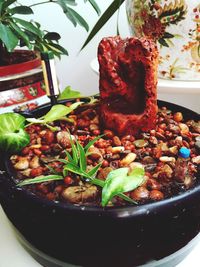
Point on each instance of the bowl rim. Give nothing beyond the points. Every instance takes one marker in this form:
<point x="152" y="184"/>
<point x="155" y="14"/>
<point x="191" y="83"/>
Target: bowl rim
<point x="116" y="212"/>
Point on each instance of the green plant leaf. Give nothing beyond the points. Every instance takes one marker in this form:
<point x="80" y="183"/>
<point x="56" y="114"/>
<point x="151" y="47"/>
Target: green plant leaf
<point x="24" y="10"/>
<point x="119" y="181"/>
<point x="74" y="151"/>
<point x="41" y="179"/>
<point x="8" y="37"/>
<point x="52" y="170"/>
<point x="21" y="34"/>
<point x="8" y="3"/>
<point x="12" y="135"/>
<point x="103" y="19"/>
<point x="163" y="42"/>
<point x="67" y="11"/>
<point x="79" y="19"/>
<point x="68" y="93"/>
<point x="95" y="6"/>
<point x="52" y="36"/>
<point x="1" y="7"/>
<point x="29" y="26"/>
<point x="94" y="170"/>
<point x="56" y="112"/>
<point x="92" y="142"/>
<point x="69" y="156"/>
<point x="168" y="35"/>
<point x="56" y="48"/>
<point x="74" y="169"/>
<point x="82" y="157"/>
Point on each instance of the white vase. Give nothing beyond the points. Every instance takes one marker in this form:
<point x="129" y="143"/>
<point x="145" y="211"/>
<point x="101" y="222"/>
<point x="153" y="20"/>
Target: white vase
<point x="175" y="26"/>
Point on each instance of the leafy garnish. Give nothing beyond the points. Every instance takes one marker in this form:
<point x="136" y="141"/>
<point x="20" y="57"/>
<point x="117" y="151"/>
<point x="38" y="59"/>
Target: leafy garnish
<point x="68" y="93"/>
<point x="120" y="181"/>
<point x="57" y="112"/>
<point x="12" y="135"/>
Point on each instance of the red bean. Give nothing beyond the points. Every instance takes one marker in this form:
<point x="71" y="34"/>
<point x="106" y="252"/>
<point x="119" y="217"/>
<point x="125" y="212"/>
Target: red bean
<point x="36" y="172"/>
<point x="37" y="152"/>
<point x="44" y="148"/>
<point x="108" y="133"/>
<point x="105" y="163"/>
<point x="68" y="180"/>
<point x="96" y="132"/>
<point x="42" y="188"/>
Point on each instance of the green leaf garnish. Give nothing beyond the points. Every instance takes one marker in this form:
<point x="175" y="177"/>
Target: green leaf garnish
<point x="12" y="135"/>
<point x="119" y="181"/>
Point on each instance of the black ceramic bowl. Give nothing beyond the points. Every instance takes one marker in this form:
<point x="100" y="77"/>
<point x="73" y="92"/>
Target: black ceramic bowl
<point x="96" y="237"/>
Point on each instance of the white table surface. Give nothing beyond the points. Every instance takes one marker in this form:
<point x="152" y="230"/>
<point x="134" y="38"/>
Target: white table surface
<point x="12" y="254"/>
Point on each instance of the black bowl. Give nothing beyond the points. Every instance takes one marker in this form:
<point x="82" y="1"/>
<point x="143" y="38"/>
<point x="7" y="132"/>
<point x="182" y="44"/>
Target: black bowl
<point x="101" y="237"/>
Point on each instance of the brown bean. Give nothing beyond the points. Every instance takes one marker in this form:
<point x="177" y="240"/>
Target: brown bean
<point x="48" y="137"/>
<point x="116" y="141"/>
<point x="156" y="195"/>
<point x="108" y="134"/>
<point x="140" y="194"/>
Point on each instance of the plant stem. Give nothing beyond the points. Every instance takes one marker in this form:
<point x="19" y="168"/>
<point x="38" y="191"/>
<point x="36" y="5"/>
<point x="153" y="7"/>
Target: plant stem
<point x="45" y="2"/>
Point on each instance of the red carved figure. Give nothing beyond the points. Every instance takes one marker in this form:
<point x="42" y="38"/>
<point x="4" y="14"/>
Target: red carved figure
<point x="128" y="84"/>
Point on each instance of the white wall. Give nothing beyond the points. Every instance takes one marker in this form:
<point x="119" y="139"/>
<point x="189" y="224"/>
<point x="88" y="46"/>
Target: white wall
<point x="75" y="69"/>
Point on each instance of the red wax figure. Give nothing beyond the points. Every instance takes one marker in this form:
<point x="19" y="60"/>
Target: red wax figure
<point x="128" y="84"/>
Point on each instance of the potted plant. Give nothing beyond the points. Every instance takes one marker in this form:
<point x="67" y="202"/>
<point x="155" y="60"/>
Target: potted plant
<point x="20" y="70"/>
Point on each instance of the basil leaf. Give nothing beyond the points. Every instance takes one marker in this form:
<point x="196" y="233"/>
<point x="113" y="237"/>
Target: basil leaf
<point x="119" y="181"/>
<point x="41" y="179"/>
<point x="69" y="93"/>
<point x="12" y="135"/>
